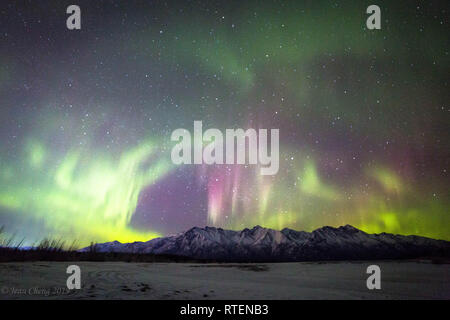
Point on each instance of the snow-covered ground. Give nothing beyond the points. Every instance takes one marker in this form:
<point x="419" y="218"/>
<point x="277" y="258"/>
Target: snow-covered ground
<point x="120" y="280"/>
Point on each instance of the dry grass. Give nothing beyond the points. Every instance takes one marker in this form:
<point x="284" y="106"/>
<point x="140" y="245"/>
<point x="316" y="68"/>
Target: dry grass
<point x="57" y="250"/>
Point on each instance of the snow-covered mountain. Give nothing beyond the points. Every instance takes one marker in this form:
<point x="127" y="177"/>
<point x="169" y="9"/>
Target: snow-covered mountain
<point x="262" y="244"/>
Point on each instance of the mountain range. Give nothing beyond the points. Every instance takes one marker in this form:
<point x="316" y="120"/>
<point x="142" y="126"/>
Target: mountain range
<point x="262" y="244"/>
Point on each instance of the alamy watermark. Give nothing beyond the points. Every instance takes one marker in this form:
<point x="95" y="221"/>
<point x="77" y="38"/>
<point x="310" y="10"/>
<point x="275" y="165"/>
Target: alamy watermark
<point x="74" y="280"/>
<point x="374" y="280"/>
<point x="236" y="141"/>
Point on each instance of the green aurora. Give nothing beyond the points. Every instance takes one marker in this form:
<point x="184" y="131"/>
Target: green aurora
<point x="86" y="118"/>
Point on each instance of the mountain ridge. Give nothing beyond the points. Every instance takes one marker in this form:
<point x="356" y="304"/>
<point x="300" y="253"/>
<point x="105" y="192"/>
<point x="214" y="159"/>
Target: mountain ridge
<point x="287" y="245"/>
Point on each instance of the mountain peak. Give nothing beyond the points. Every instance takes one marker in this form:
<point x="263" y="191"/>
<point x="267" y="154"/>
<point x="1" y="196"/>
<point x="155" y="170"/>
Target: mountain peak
<point x="349" y="227"/>
<point x="258" y="227"/>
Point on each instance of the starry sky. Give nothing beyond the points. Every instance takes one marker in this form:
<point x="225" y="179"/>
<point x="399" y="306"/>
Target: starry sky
<point x="86" y="116"/>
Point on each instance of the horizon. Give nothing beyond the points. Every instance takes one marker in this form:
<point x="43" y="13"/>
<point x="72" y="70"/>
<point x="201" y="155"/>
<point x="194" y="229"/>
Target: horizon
<point x="74" y="244"/>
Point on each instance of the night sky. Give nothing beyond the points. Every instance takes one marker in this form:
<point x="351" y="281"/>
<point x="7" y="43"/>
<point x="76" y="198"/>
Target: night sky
<point x="86" y="116"/>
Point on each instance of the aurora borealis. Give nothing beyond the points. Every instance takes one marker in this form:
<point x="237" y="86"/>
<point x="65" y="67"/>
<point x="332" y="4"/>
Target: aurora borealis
<point x="86" y="116"/>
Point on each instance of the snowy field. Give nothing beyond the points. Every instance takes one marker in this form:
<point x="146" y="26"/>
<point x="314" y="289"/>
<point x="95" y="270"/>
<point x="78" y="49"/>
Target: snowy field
<point x="121" y="280"/>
